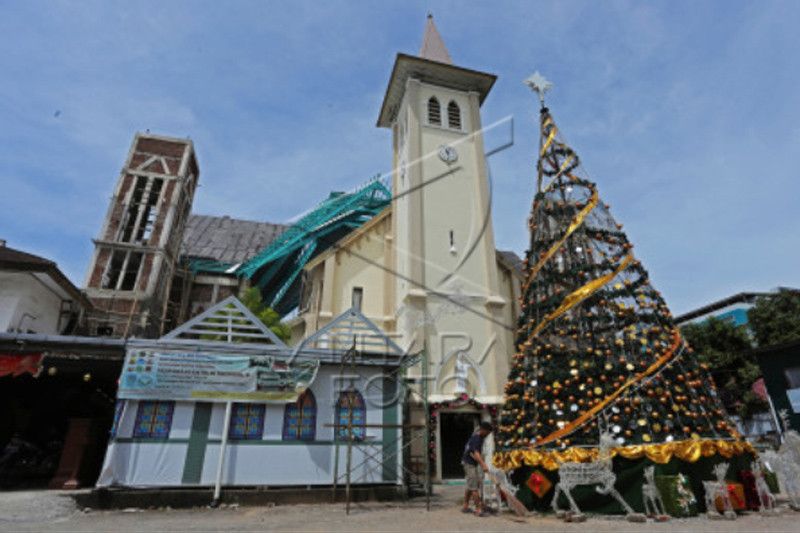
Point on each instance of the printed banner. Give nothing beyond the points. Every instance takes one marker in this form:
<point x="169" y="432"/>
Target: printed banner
<point x="16" y="365"/>
<point x="149" y="375"/>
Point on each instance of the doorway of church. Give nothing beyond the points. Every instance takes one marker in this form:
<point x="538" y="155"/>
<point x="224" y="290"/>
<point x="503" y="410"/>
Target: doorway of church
<point x="454" y="431"/>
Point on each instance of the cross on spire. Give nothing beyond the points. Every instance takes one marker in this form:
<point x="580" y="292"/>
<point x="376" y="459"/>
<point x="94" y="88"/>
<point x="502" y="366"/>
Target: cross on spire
<point x="433" y="47"/>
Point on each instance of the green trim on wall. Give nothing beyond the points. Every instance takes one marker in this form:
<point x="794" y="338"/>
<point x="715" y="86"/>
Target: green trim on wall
<point x="198" y="439"/>
<point x="390" y="416"/>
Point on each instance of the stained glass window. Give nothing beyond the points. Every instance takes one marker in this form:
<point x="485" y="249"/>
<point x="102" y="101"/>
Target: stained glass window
<point x="351" y="404"/>
<point x="247" y="421"/>
<point x="153" y="419"/>
<point x="300" y="418"/>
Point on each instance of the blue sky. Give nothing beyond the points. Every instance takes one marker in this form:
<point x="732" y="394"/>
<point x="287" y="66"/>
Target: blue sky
<point x="685" y="113"/>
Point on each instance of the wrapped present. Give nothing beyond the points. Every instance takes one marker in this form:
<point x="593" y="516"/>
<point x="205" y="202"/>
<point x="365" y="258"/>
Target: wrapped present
<point x="679" y="500"/>
<point x="539" y="484"/>
<point x="772" y="481"/>
<point x="736" y="495"/>
<point x="751" y="499"/>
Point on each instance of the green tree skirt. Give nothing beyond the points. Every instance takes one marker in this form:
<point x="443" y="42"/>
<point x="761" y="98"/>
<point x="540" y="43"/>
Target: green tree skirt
<point x="630" y="477"/>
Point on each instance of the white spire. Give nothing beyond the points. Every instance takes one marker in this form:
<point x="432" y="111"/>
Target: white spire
<point x="433" y="47"/>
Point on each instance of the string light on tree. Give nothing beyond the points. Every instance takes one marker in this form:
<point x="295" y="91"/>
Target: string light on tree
<point x="596" y="344"/>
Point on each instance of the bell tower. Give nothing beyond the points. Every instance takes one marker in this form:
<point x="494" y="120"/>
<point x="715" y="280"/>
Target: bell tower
<point x="448" y="294"/>
<point x="136" y="253"/>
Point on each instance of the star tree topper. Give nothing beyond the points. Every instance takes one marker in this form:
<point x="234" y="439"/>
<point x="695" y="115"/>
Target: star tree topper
<point x="539" y="84"/>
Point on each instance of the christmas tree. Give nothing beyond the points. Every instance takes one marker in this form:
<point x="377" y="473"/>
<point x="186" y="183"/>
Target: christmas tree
<point x="597" y="348"/>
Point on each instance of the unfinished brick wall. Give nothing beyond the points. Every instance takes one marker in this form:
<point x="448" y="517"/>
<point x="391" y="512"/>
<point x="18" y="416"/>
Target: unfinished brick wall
<point x="140" y="243"/>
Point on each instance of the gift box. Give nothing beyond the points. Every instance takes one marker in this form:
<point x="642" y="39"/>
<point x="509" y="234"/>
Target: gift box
<point x="539" y="484"/>
<point x="751" y="499"/>
<point x="736" y="495"/>
<point x="772" y="481"/>
<point x="677" y="495"/>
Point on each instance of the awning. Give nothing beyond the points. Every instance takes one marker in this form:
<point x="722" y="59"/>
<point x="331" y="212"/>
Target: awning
<point x="18" y="364"/>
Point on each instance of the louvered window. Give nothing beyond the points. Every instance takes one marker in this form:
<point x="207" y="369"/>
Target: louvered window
<point x="434" y="112"/>
<point x="453" y="115"/>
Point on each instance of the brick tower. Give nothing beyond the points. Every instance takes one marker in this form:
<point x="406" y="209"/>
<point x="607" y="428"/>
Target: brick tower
<point x="136" y="253"/>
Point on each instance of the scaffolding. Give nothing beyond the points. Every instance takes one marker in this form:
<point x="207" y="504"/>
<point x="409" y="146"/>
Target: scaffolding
<point x="276" y="269"/>
<point x="411" y="433"/>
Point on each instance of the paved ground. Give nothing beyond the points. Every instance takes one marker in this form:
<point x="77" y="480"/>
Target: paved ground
<point x="51" y="511"/>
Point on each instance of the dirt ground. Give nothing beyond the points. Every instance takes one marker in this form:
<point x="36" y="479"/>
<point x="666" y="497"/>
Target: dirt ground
<point x="53" y="511"/>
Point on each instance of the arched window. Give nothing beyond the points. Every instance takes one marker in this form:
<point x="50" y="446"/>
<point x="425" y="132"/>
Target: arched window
<point x="453" y="115"/>
<point x="247" y="421"/>
<point x="350" y="409"/>
<point x="434" y="112"/>
<point x="300" y="418"/>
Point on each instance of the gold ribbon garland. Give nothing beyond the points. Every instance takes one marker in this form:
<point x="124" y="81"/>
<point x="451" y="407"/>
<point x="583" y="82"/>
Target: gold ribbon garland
<point x="550" y="136"/>
<point x="577" y="296"/>
<point x="686" y="450"/>
<point x="576" y="222"/>
<point x="690" y="451"/>
<point x="578" y="422"/>
<point x="564" y="165"/>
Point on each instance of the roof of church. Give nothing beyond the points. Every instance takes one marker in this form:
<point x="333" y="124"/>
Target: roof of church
<point x="433" y="47"/>
<point x="513" y="260"/>
<point x="226" y="239"/>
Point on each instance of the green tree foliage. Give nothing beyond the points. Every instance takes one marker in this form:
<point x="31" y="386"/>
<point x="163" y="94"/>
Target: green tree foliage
<point x="726" y="348"/>
<point x="251" y="298"/>
<point x="775" y="318"/>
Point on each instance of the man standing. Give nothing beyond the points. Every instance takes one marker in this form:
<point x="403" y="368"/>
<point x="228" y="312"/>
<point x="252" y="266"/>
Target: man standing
<point x="474" y="467"/>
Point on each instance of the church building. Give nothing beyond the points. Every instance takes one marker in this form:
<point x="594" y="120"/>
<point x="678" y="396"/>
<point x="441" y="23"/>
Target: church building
<point x="426" y="269"/>
<point x="415" y="254"/>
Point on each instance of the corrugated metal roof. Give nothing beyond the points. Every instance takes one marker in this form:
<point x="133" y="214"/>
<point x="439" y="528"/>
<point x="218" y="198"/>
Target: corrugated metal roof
<point x="226" y="239"/>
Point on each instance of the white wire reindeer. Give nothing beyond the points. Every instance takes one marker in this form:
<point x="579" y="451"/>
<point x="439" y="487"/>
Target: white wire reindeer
<point x="786" y="461"/>
<point x="789" y="473"/>
<point x="653" y="504"/>
<point x="791" y="439"/>
<point x="502" y="489"/>
<point x="597" y="472"/>
<point x="718" y="489"/>
<point x="766" y="500"/>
